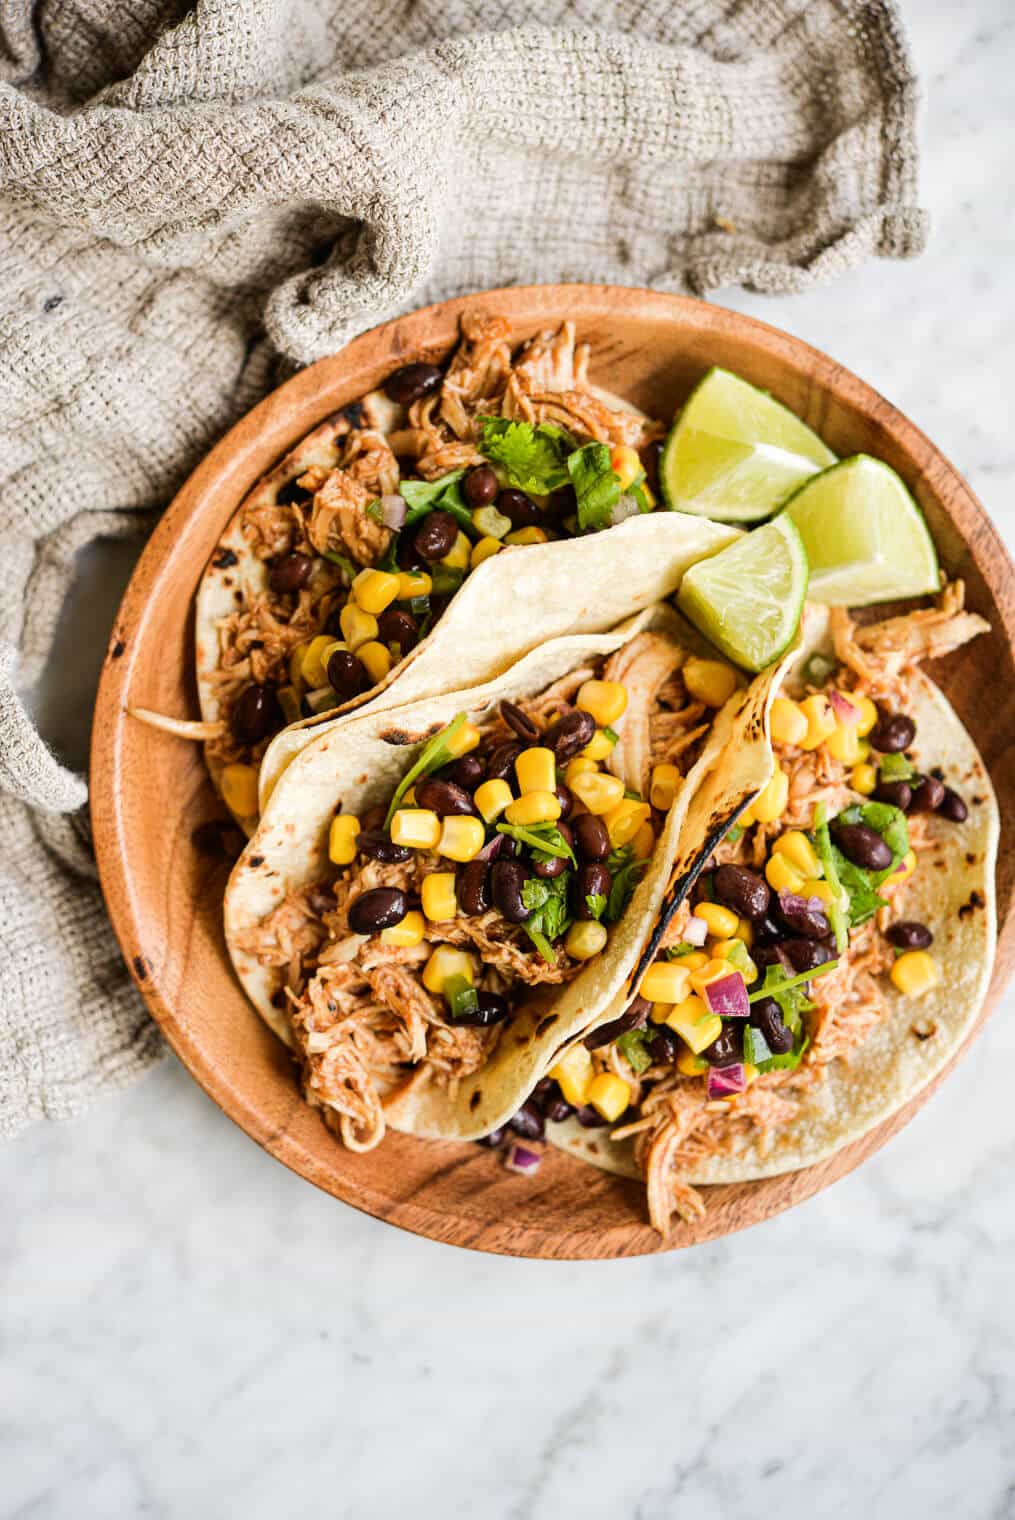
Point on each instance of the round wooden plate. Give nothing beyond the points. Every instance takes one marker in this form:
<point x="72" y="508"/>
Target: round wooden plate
<point x="150" y="791"/>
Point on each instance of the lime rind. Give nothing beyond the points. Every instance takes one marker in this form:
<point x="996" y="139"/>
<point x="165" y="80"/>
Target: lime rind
<point x="747" y="600"/>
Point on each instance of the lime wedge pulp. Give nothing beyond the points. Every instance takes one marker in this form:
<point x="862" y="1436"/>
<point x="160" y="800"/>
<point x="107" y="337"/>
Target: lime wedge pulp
<point x="865" y="537"/>
<point x="747" y="599"/>
<point x="736" y="454"/>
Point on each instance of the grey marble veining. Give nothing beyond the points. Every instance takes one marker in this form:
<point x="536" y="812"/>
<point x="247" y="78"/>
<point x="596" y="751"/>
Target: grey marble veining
<point x="190" y="1330"/>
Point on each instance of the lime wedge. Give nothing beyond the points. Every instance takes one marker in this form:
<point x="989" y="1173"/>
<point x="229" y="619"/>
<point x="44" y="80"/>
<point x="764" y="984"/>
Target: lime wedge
<point x="736" y="454"/>
<point x="747" y="599"/>
<point x="865" y="537"/>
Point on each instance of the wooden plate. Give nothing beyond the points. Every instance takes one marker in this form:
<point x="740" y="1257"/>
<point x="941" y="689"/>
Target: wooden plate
<point x="150" y="792"/>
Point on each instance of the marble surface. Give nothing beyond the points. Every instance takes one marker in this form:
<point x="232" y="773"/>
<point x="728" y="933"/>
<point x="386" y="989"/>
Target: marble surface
<point x="190" y="1330"/>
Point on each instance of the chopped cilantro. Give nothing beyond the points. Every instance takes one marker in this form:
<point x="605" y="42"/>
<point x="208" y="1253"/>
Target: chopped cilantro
<point x="633" y="1046"/>
<point x="826" y="853"/>
<point x="759" y="1054"/>
<point x="445" y="580"/>
<point x="346" y="565"/>
<point x="596" y="485"/>
<point x="374" y="510"/>
<point x="895" y="768"/>
<point x="544" y="839"/>
<point x="595" y="902"/>
<point x="426" y="496"/>
<point x="859" y="885"/>
<point x="788" y="991"/>
<point x="431" y="757"/>
<point x="624" y="882"/>
<point x="734" y="832"/>
<point x="533" y="457"/>
<point x="611" y="734"/>
<point x="639" y="494"/>
<point x="674" y="952"/>
<point x="548" y="916"/>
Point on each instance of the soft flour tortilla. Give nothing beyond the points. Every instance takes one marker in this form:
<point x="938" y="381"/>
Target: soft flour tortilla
<point x="953" y="893"/>
<point x="357" y="764"/>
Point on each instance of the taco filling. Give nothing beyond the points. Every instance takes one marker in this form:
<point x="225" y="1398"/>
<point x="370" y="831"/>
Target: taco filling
<point x="497" y="870"/>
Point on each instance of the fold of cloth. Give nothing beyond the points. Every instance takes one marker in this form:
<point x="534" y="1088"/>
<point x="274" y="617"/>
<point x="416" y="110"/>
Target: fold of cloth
<point x="194" y="197"/>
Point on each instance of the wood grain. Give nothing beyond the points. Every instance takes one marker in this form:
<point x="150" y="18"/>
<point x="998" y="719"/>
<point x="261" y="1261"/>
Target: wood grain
<point x="149" y="791"/>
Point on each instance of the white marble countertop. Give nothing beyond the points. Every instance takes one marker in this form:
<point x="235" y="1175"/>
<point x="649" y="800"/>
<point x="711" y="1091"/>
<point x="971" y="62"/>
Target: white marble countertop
<point x="189" y="1329"/>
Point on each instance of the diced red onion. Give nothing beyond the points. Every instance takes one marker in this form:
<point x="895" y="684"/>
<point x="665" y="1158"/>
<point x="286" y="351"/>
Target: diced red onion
<point x="491" y="849"/>
<point x="843" y="708"/>
<point x="728" y="997"/>
<point x="788" y="901"/>
<point x="724" y="1080"/>
<point x="520" y="1159"/>
<point x="626" y="506"/>
<point x="393" y="510"/>
<point x="696" y="932"/>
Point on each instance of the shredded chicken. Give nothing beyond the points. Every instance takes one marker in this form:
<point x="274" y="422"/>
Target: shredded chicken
<point x="877" y="653"/>
<point x="643" y="666"/>
<point x="339" y="520"/>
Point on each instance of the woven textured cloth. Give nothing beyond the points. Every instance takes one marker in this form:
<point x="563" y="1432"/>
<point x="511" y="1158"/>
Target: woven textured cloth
<point x="194" y="199"/>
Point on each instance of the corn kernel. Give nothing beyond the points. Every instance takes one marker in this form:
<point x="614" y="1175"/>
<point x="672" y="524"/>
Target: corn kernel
<point x="721" y="951"/>
<point x="445" y="963"/>
<point x="585" y="939"/>
<point x="863" y="778"/>
<point x="373" y="590"/>
<point x="358" y="627"/>
<point x="660" y="1012"/>
<point x="492" y="797"/>
<point x="624" y="821"/>
<point x="644" y="842"/>
<point x="745" y="932"/>
<point x="665" y="981"/>
<point x="750" y="1073"/>
<point x="649" y="495"/>
<point x="863" y="749"/>
<point x="903" y="871"/>
<point x="599" y="793"/>
<point x="598" y="747"/>
<point x="296" y="664"/>
<point x="663" y="786"/>
<point x="798" y="850"/>
<point x="342" y="839"/>
<point x="820" y="889"/>
<point x="914" y="972"/>
<point x="460" y="743"/>
<point x="534" y="807"/>
<point x="694" y="1024"/>
<point x="536" y="769"/>
<point x="457" y="557"/>
<point x="375" y="659"/>
<point x="694" y="960"/>
<point x="574" y="1075"/>
<point x="483" y="549"/>
<point x="418" y="828"/>
<point x="437" y="894"/>
<point x="314" y="665"/>
<point x="713" y="969"/>
<point x="530" y="535"/>
<point x="843" y="744"/>
<point x="782" y="876"/>
<point x="413" y="583"/>
<point x="820" y="717"/>
<point x="709" y="681"/>
<point x="605" y="700"/>
<point x="788" y="722"/>
<point x="868" y="714"/>
<point x="579" y="766"/>
<point x="690" y="1065"/>
<point x="239" y="789"/>
<point x="489" y="523"/>
<point x="461" y="839"/>
<point x="748" y="818"/>
<point x="772" y="803"/>
<point x="609" y="1095"/>
<point x="722" y="922"/>
<point x="407" y="933"/>
<point x="625" y="464"/>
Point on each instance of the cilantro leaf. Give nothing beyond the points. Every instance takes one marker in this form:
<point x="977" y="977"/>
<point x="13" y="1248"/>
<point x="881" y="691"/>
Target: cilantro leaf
<point x="622" y="890"/>
<point x="596" y="485"/>
<point x="548" y="916"/>
<point x="638" y="492"/>
<point x="788" y="991"/>
<point x="633" y="1046"/>
<point x="348" y="569"/>
<point x="758" y="1052"/>
<point x="864" y="901"/>
<point x="595" y="902"/>
<point x="826" y="854"/>
<point x="431" y="757"/>
<point x="533" y="457"/>
<point x="674" y="952"/>
<point x="425" y="496"/>
<point x="374" y="510"/>
<point x="544" y="839"/>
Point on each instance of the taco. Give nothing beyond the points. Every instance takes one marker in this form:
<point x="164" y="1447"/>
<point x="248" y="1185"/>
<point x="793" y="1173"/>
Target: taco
<point x="328" y="581"/>
<point x="439" y="897"/>
<point x="820" y="964"/>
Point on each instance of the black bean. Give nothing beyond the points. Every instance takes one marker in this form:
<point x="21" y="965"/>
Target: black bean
<point x="727" y="1047"/>
<point x="347" y="675"/>
<point x="806" y="954"/>
<point x="592" y="880"/>
<point x="375" y="845"/>
<point x="494" y="1138"/>
<point x="412" y="382"/>
<point x="373" y="817"/>
<point x="556" y="865"/>
<point x="407" y="555"/>
<point x="521" y="509"/>
<point x="591" y="840"/>
<point x="928" y="795"/>
<point x="444" y="798"/>
<point x="569" y="734"/>
<point x="743" y="890"/>
<point x="770" y="954"/>
<point x="650" y="455"/>
<point x="377" y="909"/>
<point x="528" y="1122"/>
<point x="291" y="494"/>
<point x="466" y="772"/>
<point x="436" y="535"/>
<point x="633" y="1017"/>
<point x="664" y="1044"/>
<point x="564" y="797"/>
<point x="291" y="572"/>
<point x="766" y="1017"/>
<point x="589" y="1117"/>
<point x="952" y="807"/>
<point x="490" y="1009"/>
<point x="908" y="934"/>
<point x="898" y="793"/>
<point x="501" y="764"/>
<point x="507" y="878"/>
<point x="255" y="714"/>
<point x="798" y="916"/>
<point x="522" y="725"/>
<point x="863" y="846"/>
<point x="557" y="1110"/>
<point x="397" y="627"/>
<point x="472" y="888"/>
<point x="480" y="486"/>
<point x="767" y="931"/>
<point x="892" y="733"/>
